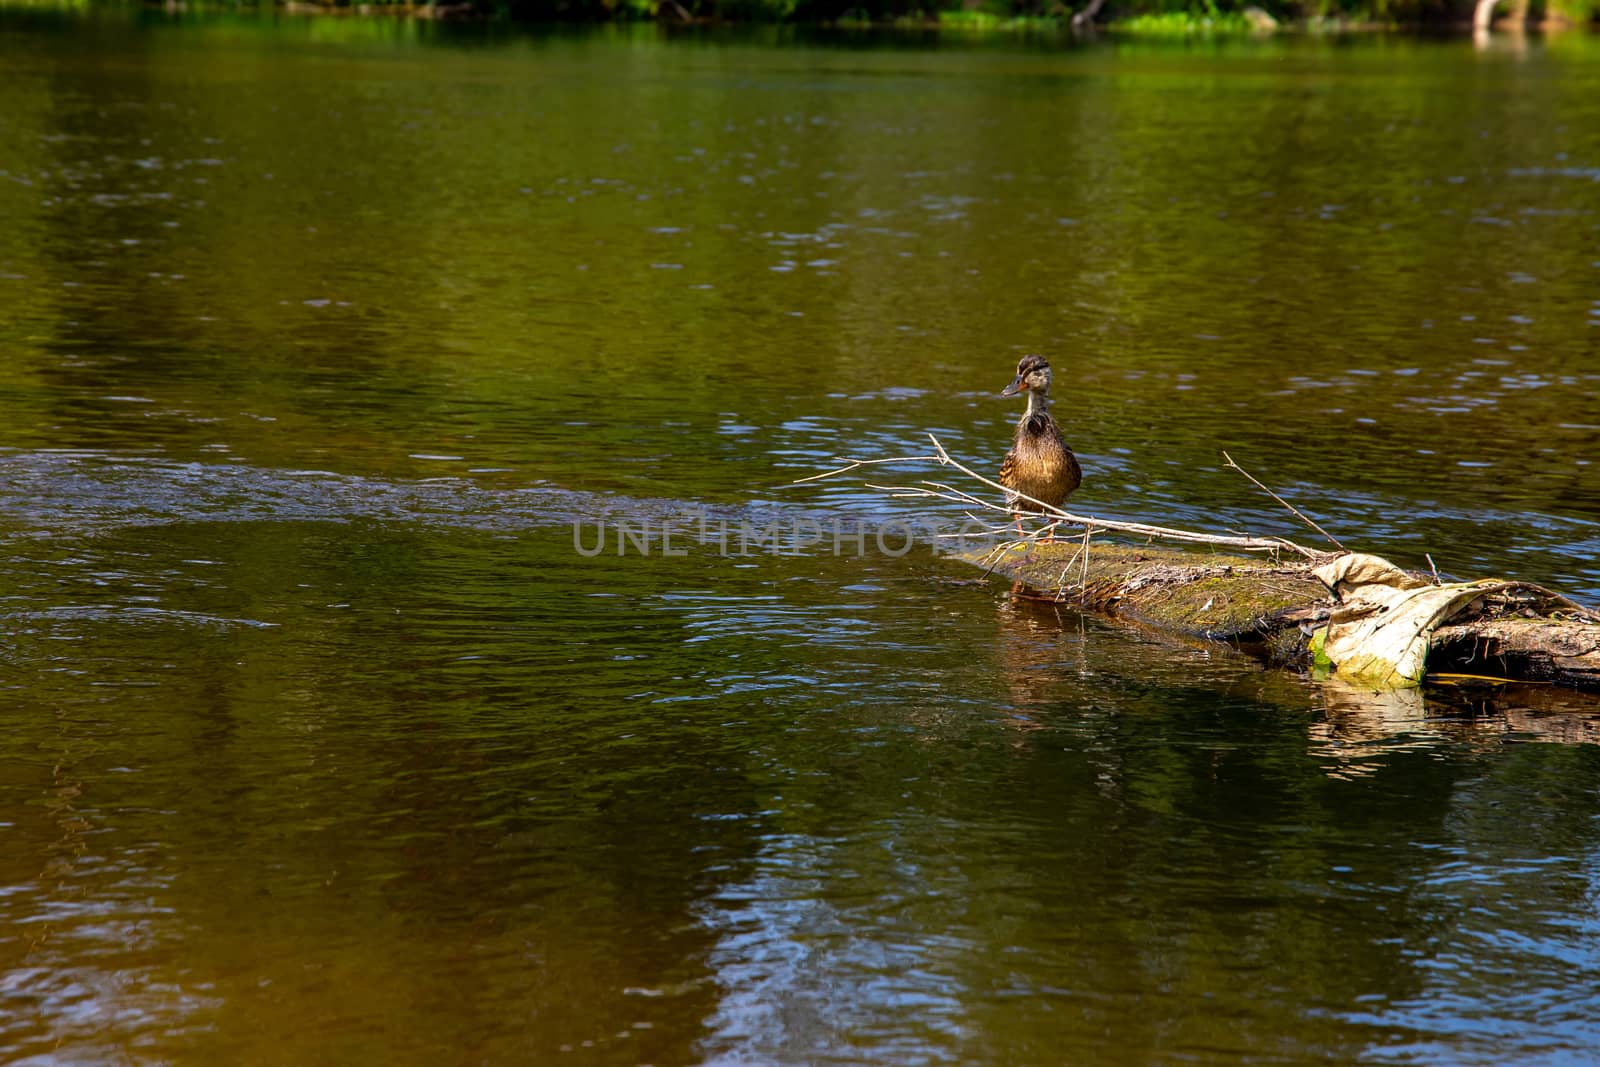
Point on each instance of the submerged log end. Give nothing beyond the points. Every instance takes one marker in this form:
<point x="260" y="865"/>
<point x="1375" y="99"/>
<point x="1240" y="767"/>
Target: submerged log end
<point x="1538" y="650"/>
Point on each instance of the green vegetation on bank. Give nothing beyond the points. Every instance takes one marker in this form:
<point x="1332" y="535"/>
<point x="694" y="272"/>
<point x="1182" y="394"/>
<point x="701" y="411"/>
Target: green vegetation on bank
<point x="1154" y="17"/>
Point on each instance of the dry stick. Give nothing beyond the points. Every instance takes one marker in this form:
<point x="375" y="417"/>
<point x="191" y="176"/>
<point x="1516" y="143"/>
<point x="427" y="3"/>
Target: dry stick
<point x="941" y="491"/>
<point x="1004" y="527"/>
<point x="1083" y="579"/>
<point x="929" y="490"/>
<point x="1292" y="509"/>
<point x="1083" y="576"/>
<point x="856" y="464"/>
<point x="992" y="557"/>
<point x="1061" y="582"/>
<point x="1252" y="543"/>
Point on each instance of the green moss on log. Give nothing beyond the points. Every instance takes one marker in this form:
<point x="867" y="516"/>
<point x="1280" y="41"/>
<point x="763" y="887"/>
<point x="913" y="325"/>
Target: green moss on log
<point x="1225" y="598"/>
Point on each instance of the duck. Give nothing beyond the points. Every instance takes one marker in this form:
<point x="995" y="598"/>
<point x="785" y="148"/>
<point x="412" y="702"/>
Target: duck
<point x="1039" y="466"/>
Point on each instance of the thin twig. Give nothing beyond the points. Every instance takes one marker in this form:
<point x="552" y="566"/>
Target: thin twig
<point x="1059" y="517"/>
<point x="1061" y="582"/>
<point x="1436" y="579"/>
<point x="1054" y="515"/>
<point x="856" y="464"/>
<point x="1258" y="544"/>
<point x="999" y="550"/>
<point x="1083" y="579"/>
<point x="1296" y="512"/>
<point x="962" y="534"/>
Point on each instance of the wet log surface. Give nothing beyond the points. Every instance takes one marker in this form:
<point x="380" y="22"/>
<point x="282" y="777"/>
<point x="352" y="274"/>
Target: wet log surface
<point x="1539" y="650"/>
<point x="1270" y="608"/>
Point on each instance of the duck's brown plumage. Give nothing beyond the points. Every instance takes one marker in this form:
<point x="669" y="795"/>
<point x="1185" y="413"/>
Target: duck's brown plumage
<point x="1039" y="465"/>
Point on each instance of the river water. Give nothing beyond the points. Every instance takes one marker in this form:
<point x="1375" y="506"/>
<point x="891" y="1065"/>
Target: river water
<point x="325" y="741"/>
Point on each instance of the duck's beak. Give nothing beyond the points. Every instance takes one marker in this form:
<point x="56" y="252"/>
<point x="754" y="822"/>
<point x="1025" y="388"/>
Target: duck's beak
<point x="1017" y="386"/>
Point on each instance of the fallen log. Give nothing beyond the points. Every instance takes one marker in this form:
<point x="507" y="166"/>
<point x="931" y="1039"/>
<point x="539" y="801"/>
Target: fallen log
<point x="1374" y="624"/>
<point x="1291" y="612"/>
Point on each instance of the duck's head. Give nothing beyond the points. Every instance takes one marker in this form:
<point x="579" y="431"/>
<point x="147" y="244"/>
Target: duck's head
<point x="1033" y="372"/>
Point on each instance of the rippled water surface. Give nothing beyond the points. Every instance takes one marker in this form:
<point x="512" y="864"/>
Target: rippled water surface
<point x="323" y="743"/>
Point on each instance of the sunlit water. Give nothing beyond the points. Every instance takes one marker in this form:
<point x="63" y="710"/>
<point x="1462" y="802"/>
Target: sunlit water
<point x="325" y="742"/>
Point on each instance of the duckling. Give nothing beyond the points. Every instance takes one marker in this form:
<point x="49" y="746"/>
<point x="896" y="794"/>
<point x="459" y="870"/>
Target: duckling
<point x="1039" y="465"/>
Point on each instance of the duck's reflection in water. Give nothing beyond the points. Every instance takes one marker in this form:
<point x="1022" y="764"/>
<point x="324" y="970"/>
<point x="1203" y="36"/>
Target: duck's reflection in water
<point x="1042" y="643"/>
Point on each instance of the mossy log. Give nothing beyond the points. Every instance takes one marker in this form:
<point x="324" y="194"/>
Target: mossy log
<point x="1273" y="609"/>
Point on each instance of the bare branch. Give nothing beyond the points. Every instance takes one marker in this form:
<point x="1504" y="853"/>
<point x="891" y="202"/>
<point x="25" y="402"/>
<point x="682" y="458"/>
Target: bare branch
<point x="1083" y="579"/>
<point x="1292" y="509"/>
<point x="1053" y="515"/>
<point x="856" y="464"/>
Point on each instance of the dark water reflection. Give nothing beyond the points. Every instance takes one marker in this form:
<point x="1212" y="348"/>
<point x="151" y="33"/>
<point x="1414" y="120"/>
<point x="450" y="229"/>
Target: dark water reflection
<point x="324" y="745"/>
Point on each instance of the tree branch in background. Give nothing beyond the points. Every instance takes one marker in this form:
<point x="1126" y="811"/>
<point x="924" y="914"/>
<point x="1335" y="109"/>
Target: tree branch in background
<point x="1085" y="18"/>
